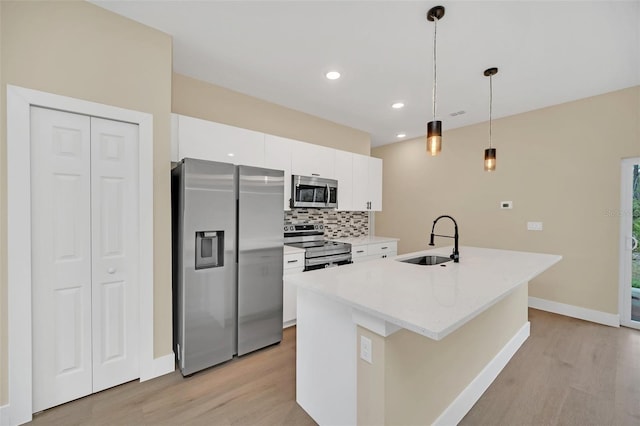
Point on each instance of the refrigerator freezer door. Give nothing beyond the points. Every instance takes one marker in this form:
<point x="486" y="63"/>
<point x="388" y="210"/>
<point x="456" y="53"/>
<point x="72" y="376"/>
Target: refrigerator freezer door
<point x="260" y="252"/>
<point x="206" y="293"/>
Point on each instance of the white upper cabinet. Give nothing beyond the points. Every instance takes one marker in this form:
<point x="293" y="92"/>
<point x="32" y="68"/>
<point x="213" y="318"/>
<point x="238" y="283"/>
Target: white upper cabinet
<point x="207" y="140"/>
<point x="312" y="160"/>
<point x="277" y="155"/>
<point x="360" y="182"/>
<point x="367" y="183"/>
<point x="359" y="176"/>
<point x="375" y="184"/>
<point x="344" y="176"/>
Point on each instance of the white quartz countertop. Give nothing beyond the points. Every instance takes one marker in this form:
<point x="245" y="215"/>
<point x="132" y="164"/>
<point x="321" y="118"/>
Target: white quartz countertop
<point x="360" y="241"/>
<point x="292" y="250"/>
<point x="433" y="300"/>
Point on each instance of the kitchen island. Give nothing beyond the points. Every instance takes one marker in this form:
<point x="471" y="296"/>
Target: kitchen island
<point x="388" y="342"/>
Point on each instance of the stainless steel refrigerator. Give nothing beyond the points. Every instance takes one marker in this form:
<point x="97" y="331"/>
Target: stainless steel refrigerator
<point x="227" y="261"/>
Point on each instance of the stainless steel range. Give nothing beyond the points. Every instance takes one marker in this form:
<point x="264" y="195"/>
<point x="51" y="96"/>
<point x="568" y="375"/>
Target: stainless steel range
<point x="319" y="253"/>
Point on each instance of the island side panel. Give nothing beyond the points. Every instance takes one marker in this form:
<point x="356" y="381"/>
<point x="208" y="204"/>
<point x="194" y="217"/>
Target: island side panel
<point x="423" y="377"/>
<point x="371" y="381"/>
<point x="325" y="359"/>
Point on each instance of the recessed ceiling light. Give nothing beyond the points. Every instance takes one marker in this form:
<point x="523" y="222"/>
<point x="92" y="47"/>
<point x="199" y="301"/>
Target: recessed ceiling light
<point x="231" y="154"/>
<point x="333" y="75"/>
<point x="397" y="105"/>
<point x="401" y="135"/>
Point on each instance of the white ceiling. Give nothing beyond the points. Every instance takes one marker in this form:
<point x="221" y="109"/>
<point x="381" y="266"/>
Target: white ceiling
<point x="547" y="53"/>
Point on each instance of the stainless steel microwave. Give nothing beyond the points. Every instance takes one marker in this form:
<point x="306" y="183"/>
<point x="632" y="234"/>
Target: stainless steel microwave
<point x="314" y="192"/>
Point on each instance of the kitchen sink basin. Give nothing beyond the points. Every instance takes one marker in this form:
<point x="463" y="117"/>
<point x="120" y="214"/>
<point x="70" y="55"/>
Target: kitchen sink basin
<point x="426" y="260"/>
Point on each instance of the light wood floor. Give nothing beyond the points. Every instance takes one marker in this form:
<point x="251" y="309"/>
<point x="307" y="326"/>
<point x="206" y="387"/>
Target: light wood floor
<point x="257" y="389"/>
<point x="569" y="372"/>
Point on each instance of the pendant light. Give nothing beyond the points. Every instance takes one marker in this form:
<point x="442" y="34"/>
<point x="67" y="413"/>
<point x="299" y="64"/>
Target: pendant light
<point x="490" y="153"/>
<point x="434" y="128"/>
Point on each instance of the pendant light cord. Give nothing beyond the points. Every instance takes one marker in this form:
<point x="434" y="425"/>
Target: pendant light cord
<point x="435" y="68"/>
<point x="490" y="106"/>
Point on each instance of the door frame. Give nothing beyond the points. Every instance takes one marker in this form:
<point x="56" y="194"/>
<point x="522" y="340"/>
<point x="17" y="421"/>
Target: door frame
<point x="626" y="192"/>
<point x="19" y="102"/>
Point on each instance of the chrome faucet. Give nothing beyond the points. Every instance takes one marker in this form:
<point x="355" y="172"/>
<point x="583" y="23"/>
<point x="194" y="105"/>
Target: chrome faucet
<point x="455" y="255"/>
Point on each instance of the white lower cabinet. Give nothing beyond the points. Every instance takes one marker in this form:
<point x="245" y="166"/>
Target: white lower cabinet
<point x="367" y="252"/>
<point x="293" y="263"/>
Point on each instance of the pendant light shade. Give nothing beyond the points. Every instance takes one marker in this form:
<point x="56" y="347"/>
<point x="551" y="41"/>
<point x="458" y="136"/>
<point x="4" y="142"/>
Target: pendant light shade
<point x="434" y="137"/>
<point x="490" y="153"/>
<point x="489" y="159"/>
<point x="434" y="127"/>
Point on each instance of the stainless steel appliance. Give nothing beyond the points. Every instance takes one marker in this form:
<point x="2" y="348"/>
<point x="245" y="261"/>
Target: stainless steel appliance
<point x="319" y="253"/>
<point x="227" y="261"/>
<point x="314" y="191"/>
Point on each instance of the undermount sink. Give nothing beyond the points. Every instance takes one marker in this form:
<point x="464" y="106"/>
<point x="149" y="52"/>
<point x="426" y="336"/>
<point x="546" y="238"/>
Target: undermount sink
<point x="426" y="260"/>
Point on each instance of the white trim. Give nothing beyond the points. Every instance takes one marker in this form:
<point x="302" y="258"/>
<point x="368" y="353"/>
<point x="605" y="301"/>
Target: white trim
<point x="454" y="413"/>
<point x="19" y="101"/>
<point x="5" y="411"/>
<point x="159" y="367"/>
<point x="625" y="271"/>
<point x="598" y="317"/>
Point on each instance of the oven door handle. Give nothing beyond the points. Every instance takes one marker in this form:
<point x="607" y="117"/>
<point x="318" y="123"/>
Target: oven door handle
<point x="327" y="259"/>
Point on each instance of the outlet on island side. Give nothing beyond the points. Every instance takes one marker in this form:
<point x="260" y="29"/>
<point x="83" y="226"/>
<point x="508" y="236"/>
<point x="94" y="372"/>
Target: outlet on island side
<point x="534" y="226"/>
<point x="365" y="349"/>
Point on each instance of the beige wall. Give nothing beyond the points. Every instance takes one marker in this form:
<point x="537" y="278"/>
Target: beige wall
<point x="196" y="98"/>
<point x="371" y="380"/>
<point x="79" y="50"/>
<point x="559" y="165"/>
<point x="418" y="378"/>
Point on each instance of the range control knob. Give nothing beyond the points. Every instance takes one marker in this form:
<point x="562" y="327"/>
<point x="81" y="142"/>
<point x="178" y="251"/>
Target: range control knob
<point x="321" y="226"/>
<point x="285" y="228"/>
<point x="315" y="226"/>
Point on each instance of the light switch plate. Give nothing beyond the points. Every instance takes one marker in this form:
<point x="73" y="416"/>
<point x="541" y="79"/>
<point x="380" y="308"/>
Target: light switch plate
<point x="534" y="226"/>
<point x="365" y="349"/>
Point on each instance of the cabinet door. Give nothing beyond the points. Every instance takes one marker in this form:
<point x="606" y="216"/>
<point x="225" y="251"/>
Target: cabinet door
<point x="312" y="160"/>
<point x="207" y="140"/>
<point x="344" y="175"/>
<point x="277" y="155"/>
<point x="375" y="183"/>
<point x="293" y="263"/>
<point x="360" y="182"/>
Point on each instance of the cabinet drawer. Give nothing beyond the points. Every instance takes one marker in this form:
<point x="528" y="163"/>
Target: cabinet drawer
<point x="359" y="251"/>
<point x="294" y="261"/>
<point x="383" y="248"/>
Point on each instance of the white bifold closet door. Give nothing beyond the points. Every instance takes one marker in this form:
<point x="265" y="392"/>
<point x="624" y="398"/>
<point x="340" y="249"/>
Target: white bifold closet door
<point x="84" y="237"/>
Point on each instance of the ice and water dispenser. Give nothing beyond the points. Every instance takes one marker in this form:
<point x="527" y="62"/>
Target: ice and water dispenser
<point x="209" y="249"/>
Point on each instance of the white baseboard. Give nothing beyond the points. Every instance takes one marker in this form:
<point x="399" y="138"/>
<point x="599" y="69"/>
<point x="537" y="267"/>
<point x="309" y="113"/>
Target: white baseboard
<point x="599" y="317"/>
<point x="472" y="393"/>
<point x="288" y="324"/>
<point x="164" y="365"/>
<point x="5" y="415"/>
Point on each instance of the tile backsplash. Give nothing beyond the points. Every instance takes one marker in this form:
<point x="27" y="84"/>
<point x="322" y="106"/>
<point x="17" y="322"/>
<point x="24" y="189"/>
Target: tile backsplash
<point x="336" y="224"/>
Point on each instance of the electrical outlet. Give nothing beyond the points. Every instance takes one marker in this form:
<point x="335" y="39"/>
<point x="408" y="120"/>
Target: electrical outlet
<point x="365" y="349"/>
<point x="534" y="226"/>
<point x="506" y="204"/>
